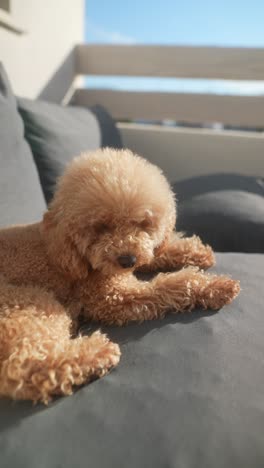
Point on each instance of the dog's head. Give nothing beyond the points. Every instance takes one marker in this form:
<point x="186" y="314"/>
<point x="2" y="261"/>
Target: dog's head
<point x="112" y="212"/>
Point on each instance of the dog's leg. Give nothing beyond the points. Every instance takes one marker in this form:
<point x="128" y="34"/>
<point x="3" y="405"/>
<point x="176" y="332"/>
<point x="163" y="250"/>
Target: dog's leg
<point x="127" y="299"/>
<point x="38" y="359"/>
<point x="182" y="251"/>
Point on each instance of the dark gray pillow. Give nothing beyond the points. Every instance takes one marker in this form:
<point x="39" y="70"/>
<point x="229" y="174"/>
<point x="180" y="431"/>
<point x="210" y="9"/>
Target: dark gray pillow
<point x="56" y="134"/>
<point x="188" y="393"/>
<point x="21" y="197"/>
<point x="225" y="210"/>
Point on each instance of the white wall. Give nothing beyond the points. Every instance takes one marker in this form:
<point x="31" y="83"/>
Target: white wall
<point x="53" y="27"/>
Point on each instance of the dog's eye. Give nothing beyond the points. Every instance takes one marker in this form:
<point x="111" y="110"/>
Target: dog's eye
<point x="146" y="224"/>
<point x="100" y="228"/>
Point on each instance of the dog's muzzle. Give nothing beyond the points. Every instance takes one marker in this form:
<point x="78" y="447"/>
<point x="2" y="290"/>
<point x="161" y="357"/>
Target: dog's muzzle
<point x="127" y="261"/>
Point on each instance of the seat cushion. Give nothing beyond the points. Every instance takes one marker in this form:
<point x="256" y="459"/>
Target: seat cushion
<point x="57" y="133"/>
<point x="188" y="393"/>
<point x="225" y="210"/>
<point x="21" y="197"/>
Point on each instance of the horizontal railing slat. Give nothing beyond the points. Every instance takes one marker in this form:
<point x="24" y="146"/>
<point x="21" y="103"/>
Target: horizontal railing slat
<point x="171" y="61"/>
<point x="199" y="108"/>
<point x="183" y="153"/>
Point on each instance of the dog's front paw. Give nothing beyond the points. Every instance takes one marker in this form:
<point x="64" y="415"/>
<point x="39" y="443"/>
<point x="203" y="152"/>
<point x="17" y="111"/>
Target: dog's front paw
<point x="199" y="254"/>
<point x="190" y="288"/>
<point x="220" y="291"/>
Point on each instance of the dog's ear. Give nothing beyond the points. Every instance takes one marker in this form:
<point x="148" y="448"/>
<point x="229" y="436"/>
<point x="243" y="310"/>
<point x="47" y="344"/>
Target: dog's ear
<point x="62" y="247"/>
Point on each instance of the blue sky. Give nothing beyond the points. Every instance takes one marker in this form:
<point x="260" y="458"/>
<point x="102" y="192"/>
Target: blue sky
<point x="192" y="22"/>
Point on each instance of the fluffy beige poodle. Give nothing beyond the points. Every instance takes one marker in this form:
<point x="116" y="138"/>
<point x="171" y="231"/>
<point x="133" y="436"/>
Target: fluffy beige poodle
<point x="113" y="213"/>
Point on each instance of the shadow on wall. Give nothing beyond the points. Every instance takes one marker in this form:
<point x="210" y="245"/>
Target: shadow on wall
<point x="61" y="81"/>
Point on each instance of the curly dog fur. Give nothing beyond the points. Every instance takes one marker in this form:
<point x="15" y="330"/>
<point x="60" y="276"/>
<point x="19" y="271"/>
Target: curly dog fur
<point x="113" y="213"/>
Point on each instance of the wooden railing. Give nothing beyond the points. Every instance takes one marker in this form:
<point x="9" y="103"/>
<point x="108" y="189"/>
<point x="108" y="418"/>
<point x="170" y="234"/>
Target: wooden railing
<point x="176" y="62"/>
<point x="171" y="61"/>
<point x="196" y="151"/>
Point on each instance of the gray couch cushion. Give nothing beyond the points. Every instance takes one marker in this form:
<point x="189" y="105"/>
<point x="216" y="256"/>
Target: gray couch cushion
<point x="188" y="393"/>
<point x="21" y="197"/>
<point x="225" y="210"/>
<point x="56" y="134"/>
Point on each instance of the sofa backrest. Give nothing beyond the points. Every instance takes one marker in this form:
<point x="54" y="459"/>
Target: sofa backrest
<point x="21" y="197"/>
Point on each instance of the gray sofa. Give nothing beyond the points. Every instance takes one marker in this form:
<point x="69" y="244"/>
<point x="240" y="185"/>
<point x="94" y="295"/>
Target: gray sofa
<point x="188" y="392"/>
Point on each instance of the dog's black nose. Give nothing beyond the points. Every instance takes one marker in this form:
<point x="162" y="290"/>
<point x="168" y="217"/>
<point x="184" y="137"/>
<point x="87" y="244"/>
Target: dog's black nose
<point x="127" y="261"/>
